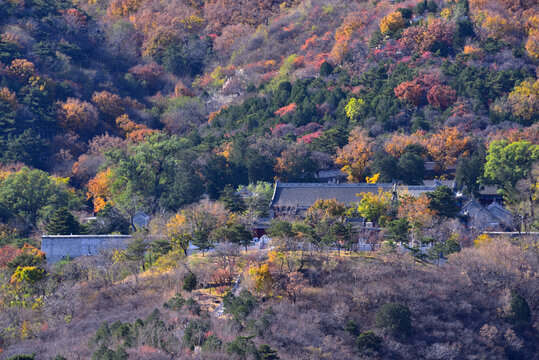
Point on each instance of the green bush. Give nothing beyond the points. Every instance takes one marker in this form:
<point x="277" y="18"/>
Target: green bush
<point x="519" y="309"/>
<point x="368" y="340"/>
<point x="175" y="303"/>
<point x="190" y="282"/>
<point x="352" y="327"/>
<point x="395" y="319"/>
<point x="22" y="357"/>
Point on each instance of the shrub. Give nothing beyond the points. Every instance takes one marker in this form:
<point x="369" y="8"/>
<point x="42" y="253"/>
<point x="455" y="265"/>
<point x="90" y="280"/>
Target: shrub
<point x="368" y="340"/>
<point x="175" y="303"/>
<point x="519" y="310"/>
<point x="190" y="282"/>
<point x="326" y="69"/>
<point x="22" y="357"/>
<point x="265" y="352"/>
<point x="394" y="318"/>
<point x="352" y="327"/>
<point x="192" y="306"/>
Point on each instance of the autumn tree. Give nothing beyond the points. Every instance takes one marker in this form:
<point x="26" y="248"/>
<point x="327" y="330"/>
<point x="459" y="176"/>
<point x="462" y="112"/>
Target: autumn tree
<point x="437" y="35"/>
<point x="99" y="189"/>
<point x="413" y="91"/>
<point x="356" y="155"/>
<point x="77" y="115"/>
<point x="392" y="22"/>
<point x="150" y="73"/>
<point x="532" y="44"/>
<point x="397" y="143"/>
<point x="446" y="146"/>
<point x="375" y="206"/>
<point x="353" y="108"/>
<point x="133" y="131"/>
<point x="179" y="232"/>
<point x="22" y="69"/>
<point x="110" y="105"/>
<point x="524" y="100"/>
<point x="441" y="96"/>
<point x="417" y="211"/>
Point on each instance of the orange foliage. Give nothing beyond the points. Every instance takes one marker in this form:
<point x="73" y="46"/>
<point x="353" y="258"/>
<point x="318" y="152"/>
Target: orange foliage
<point x="77" y="115"/>
<point x="22" y="69"/>
<point x="285" y="110"/>
<point x="343" y="35"/>
<point x="356" y="155"/>
<point x="7" y="254"/>
<point x="530" y="133"/>
<point x="215" y="114"/>
<point x="441" y="96"/>
<point x="413" y="91"/>
<point x="416" y="210"/>
<point x="497" y="26"/>
<point x="109" y="104"/>
<point x="8" y="97"/>
<point x="74" y="17"/>
<point x="474" y="52"/>
<point x="8" y="169"/>
<point x="123" y="7"/>
<point x="31" y="250"/>
<point x="133" y="131"/>
<point x="446" y="146"/>
<point x="310" y="41"/>
<point x="181" y="90"/>
<point x="224" y="150"/>
<point x="99" y="189"/>
<point x="532" y="44"/>
<point x="397" y="142"/>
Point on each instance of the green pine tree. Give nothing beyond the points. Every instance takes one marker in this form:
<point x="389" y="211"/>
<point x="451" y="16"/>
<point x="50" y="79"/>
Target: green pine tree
<point x="63" y="223"/>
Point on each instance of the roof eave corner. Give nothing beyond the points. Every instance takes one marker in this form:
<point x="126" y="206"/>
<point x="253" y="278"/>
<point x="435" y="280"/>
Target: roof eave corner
<point x="274" y="192"/>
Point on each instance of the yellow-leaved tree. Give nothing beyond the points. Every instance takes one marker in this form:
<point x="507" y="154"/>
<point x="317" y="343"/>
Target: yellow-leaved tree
<point x="99" y="189"/>
<point x="179" y="232"/>
<point x="392" y="22"/>
<point x="356" y="155"/>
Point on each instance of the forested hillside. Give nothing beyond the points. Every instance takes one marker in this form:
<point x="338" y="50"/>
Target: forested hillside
<point x="112" y="107"/>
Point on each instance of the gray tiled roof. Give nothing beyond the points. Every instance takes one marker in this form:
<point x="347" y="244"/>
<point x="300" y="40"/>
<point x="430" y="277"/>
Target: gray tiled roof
<point x="486" y="218"/>
<point x="449" y="183"/>
<point x="304" y="195"/>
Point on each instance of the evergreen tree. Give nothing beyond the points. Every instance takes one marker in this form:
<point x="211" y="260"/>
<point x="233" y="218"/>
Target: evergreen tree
<point x="267" y="353"/>
<point x="232" y="200"/>
<point x="189" y="282"/>
<point x="394" y="318"/>
<point x="443" y="201"/>
<point x="519" y="309"/>
<point x="326" y="69"/>
<point x="63" y="223"/>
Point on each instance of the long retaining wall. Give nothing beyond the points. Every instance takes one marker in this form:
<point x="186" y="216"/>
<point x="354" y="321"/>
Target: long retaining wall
<point x="57" y="247"/>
